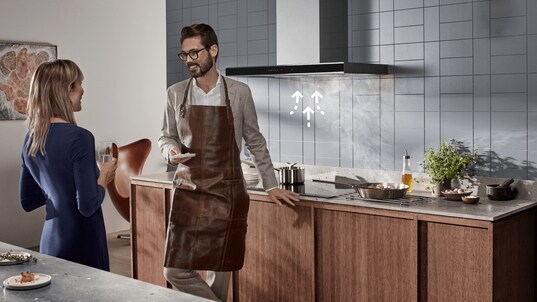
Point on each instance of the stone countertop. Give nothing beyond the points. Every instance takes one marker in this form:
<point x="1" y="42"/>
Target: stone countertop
<point x="75" y="282"/>
<point x="487" y="210"/>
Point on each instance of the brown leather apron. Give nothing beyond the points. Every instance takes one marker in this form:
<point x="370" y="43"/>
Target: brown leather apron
<point x="207" y="226"/>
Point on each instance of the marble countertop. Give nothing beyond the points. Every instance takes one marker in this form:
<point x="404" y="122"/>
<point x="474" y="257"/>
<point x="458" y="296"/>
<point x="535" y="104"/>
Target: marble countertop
<point x="75" y="282"/>
<point x="487" y="210"/>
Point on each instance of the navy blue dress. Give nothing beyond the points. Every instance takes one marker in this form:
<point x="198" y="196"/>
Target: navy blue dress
<point x="64" y="180"/>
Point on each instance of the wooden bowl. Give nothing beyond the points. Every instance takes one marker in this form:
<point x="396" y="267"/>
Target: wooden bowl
<point x="456" y="196"/>
<point x="470" y="199"/>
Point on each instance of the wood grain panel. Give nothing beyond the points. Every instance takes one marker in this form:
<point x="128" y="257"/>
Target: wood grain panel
<point x="456" y="263"/>
<point x="514" y="258"/>
<point x="364" y="257"/>
<point x="279" y="254"/>
<point x="150" y="213"/>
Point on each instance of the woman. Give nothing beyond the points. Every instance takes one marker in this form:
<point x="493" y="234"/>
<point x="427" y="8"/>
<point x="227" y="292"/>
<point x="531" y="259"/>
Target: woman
<point x="59" y="169"/>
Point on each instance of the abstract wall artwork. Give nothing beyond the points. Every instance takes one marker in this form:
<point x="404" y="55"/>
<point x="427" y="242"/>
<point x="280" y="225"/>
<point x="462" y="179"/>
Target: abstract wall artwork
<point x="18" y="61"/>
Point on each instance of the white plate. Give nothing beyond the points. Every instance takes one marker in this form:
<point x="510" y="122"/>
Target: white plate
<point x="39" y="281"/>
<point x="3" y="261"/>
<point x="182" y="155"/>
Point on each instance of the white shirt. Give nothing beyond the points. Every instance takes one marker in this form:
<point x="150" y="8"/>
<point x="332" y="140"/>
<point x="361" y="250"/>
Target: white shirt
<point x="211" y="98"/>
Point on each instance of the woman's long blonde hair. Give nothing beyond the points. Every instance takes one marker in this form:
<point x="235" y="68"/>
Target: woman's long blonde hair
<point x="48" y="98"/>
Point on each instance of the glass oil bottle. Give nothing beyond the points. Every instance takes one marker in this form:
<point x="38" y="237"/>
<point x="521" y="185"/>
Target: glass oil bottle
<point x="406" y="176"/>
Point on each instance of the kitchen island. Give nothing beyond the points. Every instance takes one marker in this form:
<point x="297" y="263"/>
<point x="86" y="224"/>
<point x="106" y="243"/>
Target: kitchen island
<point x="75" y="282"/>
<point x="342" y="249"/>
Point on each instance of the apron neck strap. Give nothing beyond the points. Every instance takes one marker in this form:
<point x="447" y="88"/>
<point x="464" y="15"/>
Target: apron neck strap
<point x="182" y="109"/>
<point x="185" y="97"/>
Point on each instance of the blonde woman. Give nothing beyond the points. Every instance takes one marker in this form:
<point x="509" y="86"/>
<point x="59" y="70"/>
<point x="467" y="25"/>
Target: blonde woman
<point x="59" y="170"/>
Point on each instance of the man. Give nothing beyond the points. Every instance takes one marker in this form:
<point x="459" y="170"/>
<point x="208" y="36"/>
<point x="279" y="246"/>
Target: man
<point x="205" y="120"/>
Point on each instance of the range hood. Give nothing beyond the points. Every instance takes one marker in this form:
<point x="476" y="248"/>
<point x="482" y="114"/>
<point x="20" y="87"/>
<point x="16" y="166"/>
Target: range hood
<point x="311" y="39"/>
<point x="309" y="69"/>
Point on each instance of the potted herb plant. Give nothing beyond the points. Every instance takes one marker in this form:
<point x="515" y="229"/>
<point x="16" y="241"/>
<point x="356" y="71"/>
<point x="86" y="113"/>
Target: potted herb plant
<point x="445" y="164"/>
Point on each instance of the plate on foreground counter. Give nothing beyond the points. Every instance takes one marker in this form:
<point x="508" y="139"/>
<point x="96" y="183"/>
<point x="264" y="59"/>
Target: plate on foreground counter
<point x="40" y="280"/>
<point x="10" y="258"/>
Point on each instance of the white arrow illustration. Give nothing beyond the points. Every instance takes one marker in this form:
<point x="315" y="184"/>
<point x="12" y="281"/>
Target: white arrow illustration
<point x="308" y="111"/>
<point x="316" y="95"/>
<point x="297" y="95"/>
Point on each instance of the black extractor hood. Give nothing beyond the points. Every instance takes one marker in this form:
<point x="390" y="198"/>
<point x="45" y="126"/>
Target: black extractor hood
<point x="312" y="38"/>
<point x="309" y="69"/>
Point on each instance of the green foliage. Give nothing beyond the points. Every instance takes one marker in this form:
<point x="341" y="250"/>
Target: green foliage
<point x="446" y="162"/>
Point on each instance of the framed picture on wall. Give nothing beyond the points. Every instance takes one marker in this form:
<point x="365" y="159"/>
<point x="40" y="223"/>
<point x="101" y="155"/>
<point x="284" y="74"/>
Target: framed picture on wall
<point x="18" y="61"/>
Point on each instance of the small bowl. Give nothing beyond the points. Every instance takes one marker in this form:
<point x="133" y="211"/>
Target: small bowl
<point x="456" y="196"/>
<point x="470" y="199"/>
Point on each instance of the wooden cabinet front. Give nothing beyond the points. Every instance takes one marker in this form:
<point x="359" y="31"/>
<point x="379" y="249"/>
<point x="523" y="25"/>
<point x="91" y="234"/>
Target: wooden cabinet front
<point x="364" y="257"/>
<point x="278" y="262"/>
<point x="149" y="221"/>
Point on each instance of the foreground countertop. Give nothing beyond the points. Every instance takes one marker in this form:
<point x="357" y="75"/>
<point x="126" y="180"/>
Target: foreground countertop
<point x="486" y="210"/>
<point x="75" y="282"/>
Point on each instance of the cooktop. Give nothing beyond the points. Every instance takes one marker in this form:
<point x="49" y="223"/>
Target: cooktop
<point x="309" y="188"/>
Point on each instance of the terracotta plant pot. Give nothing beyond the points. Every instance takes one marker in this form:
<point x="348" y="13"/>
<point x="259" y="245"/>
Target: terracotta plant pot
<point x="441" y="186"/>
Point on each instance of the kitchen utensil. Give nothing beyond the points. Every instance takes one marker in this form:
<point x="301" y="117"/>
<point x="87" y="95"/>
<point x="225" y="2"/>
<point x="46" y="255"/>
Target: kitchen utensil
<point x="375" y="190"/>
<point x="292" y="175"/>
<point x="507" y="182"/>
<point x="497" y="192"/>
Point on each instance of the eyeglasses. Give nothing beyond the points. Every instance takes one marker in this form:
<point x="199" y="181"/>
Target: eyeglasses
<point x="193" y="54"/>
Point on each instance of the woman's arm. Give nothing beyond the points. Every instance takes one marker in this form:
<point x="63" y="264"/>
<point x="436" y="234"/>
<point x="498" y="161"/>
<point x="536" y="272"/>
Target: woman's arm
<point x="31" y="195"/>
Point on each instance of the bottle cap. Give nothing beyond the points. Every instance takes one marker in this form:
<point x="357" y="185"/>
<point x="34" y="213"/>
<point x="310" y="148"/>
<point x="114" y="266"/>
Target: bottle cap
<point x="406" y="156"/>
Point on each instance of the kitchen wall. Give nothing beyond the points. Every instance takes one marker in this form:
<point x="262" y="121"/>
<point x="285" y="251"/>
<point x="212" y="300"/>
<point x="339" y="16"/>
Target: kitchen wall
<point x="120" y="47"/>
<point x="462" y="69"/>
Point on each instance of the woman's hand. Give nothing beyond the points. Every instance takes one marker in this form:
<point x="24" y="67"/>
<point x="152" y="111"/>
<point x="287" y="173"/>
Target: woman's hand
<point x="108" y="172"/>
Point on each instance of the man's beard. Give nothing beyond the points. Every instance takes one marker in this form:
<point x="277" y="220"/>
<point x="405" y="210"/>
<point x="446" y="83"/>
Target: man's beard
<point x="204" y="67"/>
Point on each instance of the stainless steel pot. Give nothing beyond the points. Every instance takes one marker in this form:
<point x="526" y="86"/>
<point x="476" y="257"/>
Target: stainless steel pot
<point x="292" y="175"/>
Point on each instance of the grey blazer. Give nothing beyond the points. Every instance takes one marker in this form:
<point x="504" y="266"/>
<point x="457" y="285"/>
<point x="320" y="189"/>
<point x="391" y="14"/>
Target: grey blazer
<point x="244" y="119"/>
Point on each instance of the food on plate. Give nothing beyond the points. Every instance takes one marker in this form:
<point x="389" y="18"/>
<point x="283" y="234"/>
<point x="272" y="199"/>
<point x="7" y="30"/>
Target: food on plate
<point x="13" y="256"/>
<point x="27" y="277"/>
<point x="455" y="191"/>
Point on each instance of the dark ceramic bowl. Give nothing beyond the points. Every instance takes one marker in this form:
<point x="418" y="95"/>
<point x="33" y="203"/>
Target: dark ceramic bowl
<point x="497" y="192"/>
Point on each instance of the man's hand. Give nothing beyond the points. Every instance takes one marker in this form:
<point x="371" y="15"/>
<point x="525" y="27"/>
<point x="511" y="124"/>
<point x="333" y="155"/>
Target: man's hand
<point x="175" y="160"/>
<point x="278" y="194"/>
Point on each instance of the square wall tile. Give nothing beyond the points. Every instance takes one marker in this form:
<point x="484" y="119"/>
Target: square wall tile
<point x="456" y="30"/>
<point x="410" y="68"/>
<point x="456" y="12"/>
<point x="481" y="57"/>
<point x="482" y="130"/>
<point x="456" y="102"/>
<point x="432" y="94"/>
<point x="481" y="19"/>
<point x="532" y="53"/>
<point x="532" y="92"/>
<point x="456" y="84"/>
<point x="432" y="59"/>
<point x="482" y="93"/>
<point x="409" y="102"/>
<point x="409" y="86"/>
<point x="408" y="17"/>
<point x="509" y="102"/>
<point x="509" y="83"/>
<point x="409" y="34"/>
<point x="456" y="48"/>
<point x="508" y="26"/>
<point x="386" y="28"/>
<point x="508" y="64"/>
<point x="431" y="23"/>
<point x="456" y="66"/>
